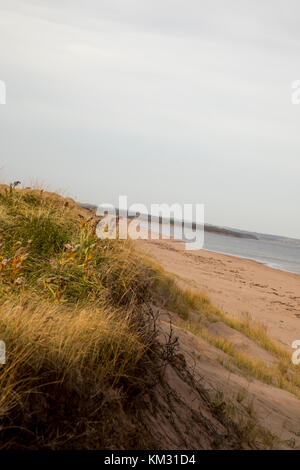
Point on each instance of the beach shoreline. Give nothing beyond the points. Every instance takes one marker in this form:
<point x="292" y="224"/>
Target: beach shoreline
<point x="274" y="254"/>
<point x="236" y="285"/>
<point x="263" y="263"/>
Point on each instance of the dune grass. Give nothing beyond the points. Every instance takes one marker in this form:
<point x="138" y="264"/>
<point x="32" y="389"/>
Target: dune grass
<point x="73" y="349"/>
<point x="73" y="317"/>
<point x="45" y="246"/>
<point x="76" y="317"/>
<point x="186" y="301"/>
<point x="277" y="374"/>
<point x="179" y="300"/>
<point x="256" y="331"/>
<point x="284" y="374"/>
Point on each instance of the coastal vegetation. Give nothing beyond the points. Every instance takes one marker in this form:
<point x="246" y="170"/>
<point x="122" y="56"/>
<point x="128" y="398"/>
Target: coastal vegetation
<point x="85" y="355"/>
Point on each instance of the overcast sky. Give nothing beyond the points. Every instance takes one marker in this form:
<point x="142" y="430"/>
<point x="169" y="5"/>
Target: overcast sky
<point x="165" y="101"/>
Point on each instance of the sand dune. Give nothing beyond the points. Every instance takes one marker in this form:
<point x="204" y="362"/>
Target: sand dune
<point x="236" y="285"/>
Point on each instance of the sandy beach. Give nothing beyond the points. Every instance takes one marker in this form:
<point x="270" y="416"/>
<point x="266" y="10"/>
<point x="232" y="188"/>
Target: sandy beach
<point x="236" y="285"/>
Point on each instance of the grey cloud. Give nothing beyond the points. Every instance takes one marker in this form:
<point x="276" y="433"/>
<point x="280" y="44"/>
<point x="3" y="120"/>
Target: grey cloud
<point x="163" y="100"/>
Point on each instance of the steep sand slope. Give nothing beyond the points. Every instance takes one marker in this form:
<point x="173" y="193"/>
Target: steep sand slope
<point x="238" y="286"/>
<point x="271" y="408"/>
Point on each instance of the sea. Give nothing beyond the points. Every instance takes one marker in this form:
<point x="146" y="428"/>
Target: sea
<point x="273" y="251"/>
<point x="282" y="255"/>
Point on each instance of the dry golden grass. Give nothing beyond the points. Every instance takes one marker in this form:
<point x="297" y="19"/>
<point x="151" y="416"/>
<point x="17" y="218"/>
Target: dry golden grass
<point x="283" y="374"/>
<point x="99" y="341"/>
<point x="47" y="340"/>
<point x="256" y="331"/>
<point x="73" y="319"/>
<point x="75" y="314"/>
<point x="280" y="374"/>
